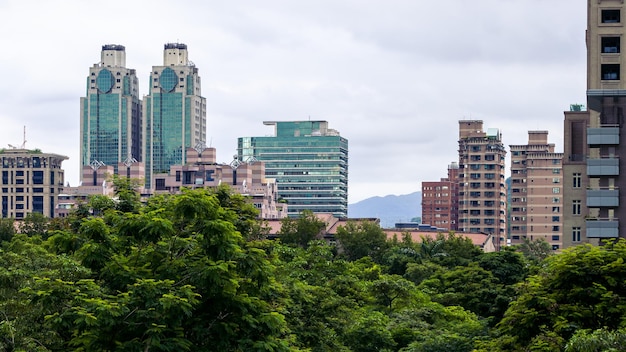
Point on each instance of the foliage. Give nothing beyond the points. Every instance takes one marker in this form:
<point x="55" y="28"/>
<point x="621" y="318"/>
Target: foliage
<point x="300" y="231"/>
<point x="34" y="224"/>
<point x="361" y="239"/>
<point x="581" y="288"/>
<point x="535" y="251"/>
<point x="7" y="229"/>
<point x="601" y="340"/>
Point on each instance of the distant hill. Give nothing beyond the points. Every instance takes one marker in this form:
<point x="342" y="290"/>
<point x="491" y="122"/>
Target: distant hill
<point x="389" y="209"/>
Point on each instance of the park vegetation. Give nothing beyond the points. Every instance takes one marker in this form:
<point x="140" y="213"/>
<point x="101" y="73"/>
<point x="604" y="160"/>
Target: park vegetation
<point x="196" y="272"/>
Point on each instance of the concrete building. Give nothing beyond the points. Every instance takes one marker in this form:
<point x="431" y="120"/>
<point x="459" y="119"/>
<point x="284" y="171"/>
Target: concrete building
<point x="96" y="181"/>
<point x="309" y="162"/>
<point x="593" y="203"/>
<point x="440" y="201"/>
<point x="245" y="178"/>
<point x="482" y="189"/>
<point x="174" y="112"/>
<point x="536" y="191"/>
<point x="110" y="113"/>
<point x="31" y="182"/>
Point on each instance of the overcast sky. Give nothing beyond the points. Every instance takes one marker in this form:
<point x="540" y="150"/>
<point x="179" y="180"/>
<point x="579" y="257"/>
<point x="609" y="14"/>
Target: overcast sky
<point x="394" y="77"/>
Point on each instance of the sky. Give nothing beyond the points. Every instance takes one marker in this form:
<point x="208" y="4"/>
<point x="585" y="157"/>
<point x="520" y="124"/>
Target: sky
<point x="394" y="77"/>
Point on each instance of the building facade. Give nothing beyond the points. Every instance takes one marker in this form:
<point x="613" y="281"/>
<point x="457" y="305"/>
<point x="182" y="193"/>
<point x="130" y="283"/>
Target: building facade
<point x="245" y="178"/>
<point x="31" y="182"/>
<point x="174" y="112"/>
<point x="309" y="162"/>
<point x="440" y="201"/>
<point x="593" y="202"/>
<point x="482" y="189"/>
<point x="110" y="113"/>
<point x="536" y="191"/>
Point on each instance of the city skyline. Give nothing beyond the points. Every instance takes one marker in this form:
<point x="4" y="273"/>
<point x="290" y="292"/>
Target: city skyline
<point x="394" y="78"/>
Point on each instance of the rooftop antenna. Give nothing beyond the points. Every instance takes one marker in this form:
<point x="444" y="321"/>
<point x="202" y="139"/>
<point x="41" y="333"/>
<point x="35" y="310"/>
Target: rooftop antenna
<point x="24" y="140"/>
<point x="23" y="146"/>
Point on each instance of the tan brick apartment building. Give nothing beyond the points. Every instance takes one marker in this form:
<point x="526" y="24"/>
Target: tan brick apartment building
<point x="536" y="191"/>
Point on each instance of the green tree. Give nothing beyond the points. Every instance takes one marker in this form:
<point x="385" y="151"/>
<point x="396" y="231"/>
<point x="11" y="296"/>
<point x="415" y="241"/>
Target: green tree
<point x="360" y="239"/>
<point x="300" y="231"/>
<point x="601" y="340"/>
<point x="7" y="229"/>
<point x="34" y="224"/>
<point x="581" y="288"/>
<point x="173" y="278"/>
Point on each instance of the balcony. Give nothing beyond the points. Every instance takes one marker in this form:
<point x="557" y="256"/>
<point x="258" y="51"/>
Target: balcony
<point x="603" y="167"/>
<point x="603" y="198"/>
<point x="602" y="228"/>
<point x="603" y="136"/>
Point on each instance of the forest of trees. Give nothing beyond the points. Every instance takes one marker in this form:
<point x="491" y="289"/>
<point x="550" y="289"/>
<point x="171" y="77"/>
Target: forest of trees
<point x="195" y="272"/>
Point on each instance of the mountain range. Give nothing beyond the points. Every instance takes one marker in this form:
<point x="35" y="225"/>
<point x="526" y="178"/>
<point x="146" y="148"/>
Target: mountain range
<point x="390" y="209"/>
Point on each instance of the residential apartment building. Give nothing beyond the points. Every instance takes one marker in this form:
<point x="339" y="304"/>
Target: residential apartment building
<point x="174" y="112"/>
<point x="309" y="162"/>
<point x="110" y="113"/>
<point x="593" y="204"/>
<point x="440" y="201"/>
<point x="536" y="191"/>
<point x="31" y="181"/>
<point x="482" y="189"/>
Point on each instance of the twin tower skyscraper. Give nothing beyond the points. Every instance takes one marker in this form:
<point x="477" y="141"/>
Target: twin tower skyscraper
<point x="117" y="126"/>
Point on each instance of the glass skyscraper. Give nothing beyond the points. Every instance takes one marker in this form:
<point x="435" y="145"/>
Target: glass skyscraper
<point x="174" y="110"/>
<point x="110" y="124"/>
<point x="309" y="162"/>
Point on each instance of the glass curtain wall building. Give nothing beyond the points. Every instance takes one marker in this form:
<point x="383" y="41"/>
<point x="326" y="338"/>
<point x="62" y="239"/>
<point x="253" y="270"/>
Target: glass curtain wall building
<point x="309" y="162"/>
<point x="110" y="124"/>
<point x="175" y="112"/>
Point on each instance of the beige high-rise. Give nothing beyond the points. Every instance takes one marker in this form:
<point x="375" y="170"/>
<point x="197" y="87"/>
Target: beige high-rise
<point x="482" y="189"/>
<point x="592" y="149"/>
<point x="536" y="191"/>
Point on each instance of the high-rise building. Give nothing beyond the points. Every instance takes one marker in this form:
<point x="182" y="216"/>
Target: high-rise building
<point x="440" y="201"/>
<point x="110" y="123"/>
<point x="593" y="178"/>
<point x="309" y="162"/>
<point x="31" y="182"/>
<point x="174" y="112"/>
<point x="482" y="189"/>
<point x="536" y="191"/>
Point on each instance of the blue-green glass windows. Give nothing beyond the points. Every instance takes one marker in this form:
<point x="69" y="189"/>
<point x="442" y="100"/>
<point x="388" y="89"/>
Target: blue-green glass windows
<point x="105" y="81"/>
<point x="168" y="79"/>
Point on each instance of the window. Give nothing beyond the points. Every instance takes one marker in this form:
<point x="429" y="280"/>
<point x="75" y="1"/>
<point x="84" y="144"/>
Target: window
<point x="490" y="157"/>
<point x="556" y="209"/>
<point x="556" y="200"/>
<point x="610" y="16"/>
<point x="609" y="72"/>
<point x="556" y="190"/>
<point x="555" y="228"/>
<point x="577" y="179"/>
<point x="575" y="234"/>
<point x="576" y="207"/>
<point x="556" y="237"/>
<point x="556" y="171"/>
<point x="159" y="184"/>
<point x="610" y="45"/>
<point x="38" y="177"/>
<point x="555" y="219"/>
<point x="556" y="180"/>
